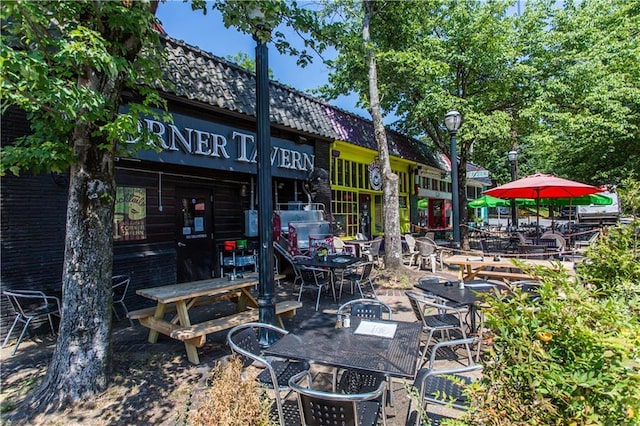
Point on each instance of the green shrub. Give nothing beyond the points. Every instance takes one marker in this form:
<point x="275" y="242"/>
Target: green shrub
<point x="572" y="356"/>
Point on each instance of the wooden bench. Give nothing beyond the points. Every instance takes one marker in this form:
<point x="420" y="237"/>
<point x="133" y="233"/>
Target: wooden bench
<point x="285" y="309"/>
<point x="507" y="276"/>
<point x="171" y="307"/>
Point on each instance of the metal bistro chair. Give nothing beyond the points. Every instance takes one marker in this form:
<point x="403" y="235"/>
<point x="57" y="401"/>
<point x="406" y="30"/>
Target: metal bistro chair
<point x="360" y="275"/>
<point x="442" y="387"/>
<point x="315" y="277"/>
<point x="373" y="251"/>
<point x="321" y="408"/>
<point x="412" y="253"/>
<point x="243" y="341"/>
<point x="361" y="380"/>
<point x="427" y="254"/>
<point x="437" y="317"/>
<point x="119" y="287"/>
<point x="30" y="305"/>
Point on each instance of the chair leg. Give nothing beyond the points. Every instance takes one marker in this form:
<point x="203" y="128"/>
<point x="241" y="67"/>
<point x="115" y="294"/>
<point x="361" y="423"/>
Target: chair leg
<point x="318" y="298"/>
<point x="15" y="321"/>
<point x="24" y="330"/>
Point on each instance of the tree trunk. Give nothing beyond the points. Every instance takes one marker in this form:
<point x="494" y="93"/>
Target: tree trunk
<point x="80" y="366"/>
<point x="392" y="243"/>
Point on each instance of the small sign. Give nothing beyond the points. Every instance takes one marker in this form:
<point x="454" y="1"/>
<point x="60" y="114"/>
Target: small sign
<point x="375" y="176"/>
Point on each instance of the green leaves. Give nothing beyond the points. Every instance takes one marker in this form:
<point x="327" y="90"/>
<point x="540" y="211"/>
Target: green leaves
<point x="65" y="64"/>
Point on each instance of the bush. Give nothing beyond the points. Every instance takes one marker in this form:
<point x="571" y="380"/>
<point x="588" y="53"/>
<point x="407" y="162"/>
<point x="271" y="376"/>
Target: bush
<point x="232" y="399"/>
<point x="573" y="355"/>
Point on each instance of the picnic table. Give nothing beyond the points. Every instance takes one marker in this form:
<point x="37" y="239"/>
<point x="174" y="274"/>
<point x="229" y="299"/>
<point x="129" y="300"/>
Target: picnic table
<point x="472" y="267"/>
<point x="182" y="297"/>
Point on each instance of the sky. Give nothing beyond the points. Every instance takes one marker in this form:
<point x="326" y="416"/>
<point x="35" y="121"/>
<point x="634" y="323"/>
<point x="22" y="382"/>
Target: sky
<point x="209" y="34"/>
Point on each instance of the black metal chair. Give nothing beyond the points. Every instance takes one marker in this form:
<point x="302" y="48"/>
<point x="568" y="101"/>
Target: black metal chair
<point x="315" y="278"/>
<point x="443" y="387"/>
<point x="358" y="276"/>
<point x="243" y="341"/>
<point x="353" y="380"/>
<point x="436" y="316"/>
<point x="30" y="305"/>
<point x="119" y="287"/>
<point x="321" y="408"/>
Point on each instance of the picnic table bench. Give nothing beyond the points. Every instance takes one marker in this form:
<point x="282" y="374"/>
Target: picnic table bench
<point x="480" y="266"/>
<point x="182" y="297"/>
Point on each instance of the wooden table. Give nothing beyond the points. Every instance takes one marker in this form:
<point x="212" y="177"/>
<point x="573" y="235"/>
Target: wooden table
<point x="473" y="266"/>
<point x="182" y="297"/>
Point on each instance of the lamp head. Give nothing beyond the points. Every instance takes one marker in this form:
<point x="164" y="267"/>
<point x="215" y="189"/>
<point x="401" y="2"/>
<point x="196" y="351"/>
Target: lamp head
<point x="512" y="155"/>
<point x="453" y="120"/>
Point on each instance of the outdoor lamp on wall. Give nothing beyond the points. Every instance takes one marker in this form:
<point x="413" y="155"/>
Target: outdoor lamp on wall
<point x="513" y="159"/>
<point x="453" y="120"/>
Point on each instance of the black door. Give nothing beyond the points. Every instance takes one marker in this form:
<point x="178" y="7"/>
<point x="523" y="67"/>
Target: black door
<point x="194" y="235"/>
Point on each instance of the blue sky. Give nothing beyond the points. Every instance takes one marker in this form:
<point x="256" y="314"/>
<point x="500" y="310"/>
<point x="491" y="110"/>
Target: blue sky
<point x="209" y="34"/>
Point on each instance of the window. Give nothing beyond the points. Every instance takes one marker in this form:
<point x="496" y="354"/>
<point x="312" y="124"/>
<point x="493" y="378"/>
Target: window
<point x="345" y="211"/>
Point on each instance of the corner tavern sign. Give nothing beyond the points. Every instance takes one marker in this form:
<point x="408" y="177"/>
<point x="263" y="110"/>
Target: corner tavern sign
<point x="200" y="143"/>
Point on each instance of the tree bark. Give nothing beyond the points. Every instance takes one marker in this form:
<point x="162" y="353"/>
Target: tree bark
<point x="392" y="243"/>
<point x="80" y="366"/>
<point x="81" y="363"/>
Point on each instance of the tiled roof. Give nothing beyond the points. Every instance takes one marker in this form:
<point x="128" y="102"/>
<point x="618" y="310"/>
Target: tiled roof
<point x="200" y="76"/>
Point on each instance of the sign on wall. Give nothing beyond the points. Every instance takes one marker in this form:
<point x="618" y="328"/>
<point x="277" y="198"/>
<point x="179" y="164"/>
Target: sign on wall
<point x="202" y="143"/>
<point x="130" y="215"/>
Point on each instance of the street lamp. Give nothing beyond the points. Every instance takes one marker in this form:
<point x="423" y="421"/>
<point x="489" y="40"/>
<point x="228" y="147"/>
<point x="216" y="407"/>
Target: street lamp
<point x="513" y="159"/>
<point x="453" y="120"/>
<point x="266" y="305"/>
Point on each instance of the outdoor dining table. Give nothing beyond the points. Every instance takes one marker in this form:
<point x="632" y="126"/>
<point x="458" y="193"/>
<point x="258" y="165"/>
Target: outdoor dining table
<point x="473" y="293"/>
<point x="333" y="264"/>
<point x="500" y="267"/>
<point x="317" y="340"/>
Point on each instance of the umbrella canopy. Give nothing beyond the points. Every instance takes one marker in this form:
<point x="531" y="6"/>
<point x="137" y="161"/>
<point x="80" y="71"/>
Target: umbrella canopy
<point x="585" y="200"/>
<point x="540" y="186"/>
<point x="488" y="201"/>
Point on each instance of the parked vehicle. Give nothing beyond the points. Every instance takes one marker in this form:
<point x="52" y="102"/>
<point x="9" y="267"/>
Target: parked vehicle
<point x="600" y="214"/>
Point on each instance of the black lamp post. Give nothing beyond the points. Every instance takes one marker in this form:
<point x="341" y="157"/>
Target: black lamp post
<point x="453" y="120"/>
<point x="513" y="159"/>
<point x="266" y="305"/>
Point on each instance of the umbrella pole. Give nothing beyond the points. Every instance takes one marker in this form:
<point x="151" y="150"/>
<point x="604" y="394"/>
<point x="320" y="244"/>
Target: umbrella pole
<point x="569" y="229"/>
<point x="538" y="219"/>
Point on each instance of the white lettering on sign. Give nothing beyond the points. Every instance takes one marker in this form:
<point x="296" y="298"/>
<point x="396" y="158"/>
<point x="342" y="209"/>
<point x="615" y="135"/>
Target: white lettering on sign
<point x="201" y="143"/>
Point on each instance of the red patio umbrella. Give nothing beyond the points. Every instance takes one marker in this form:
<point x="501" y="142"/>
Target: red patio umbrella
<point x="539" y="186"/>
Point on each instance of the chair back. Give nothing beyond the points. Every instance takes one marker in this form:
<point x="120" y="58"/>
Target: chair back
<point x="314" y="276"/>
<point x="32" y="302"/>
<point x="338" y="245"/>
<point x="559" y="239"/>
<point x="321" y="408"/>
<point x="374" y="248"/>
<point x="425" y="248"/>
<point x="411" y="243"/>
<point x="366" y="308"/>
<point x="360" y="236"/>
<point x="119" y="286"/>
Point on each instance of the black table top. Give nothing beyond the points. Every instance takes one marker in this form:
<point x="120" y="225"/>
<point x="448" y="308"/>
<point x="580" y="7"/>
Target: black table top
<point x="317" y="340"/>
<point x="334" y="261"/>
<point x="471" y="293"/>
